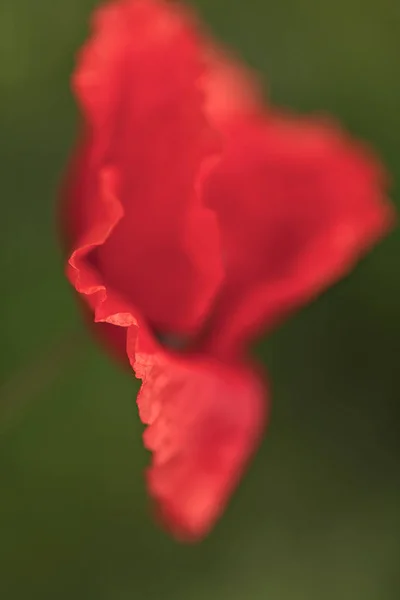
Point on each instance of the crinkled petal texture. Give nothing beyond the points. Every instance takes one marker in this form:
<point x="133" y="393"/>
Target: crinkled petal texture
<point x="192" y="211"/>
<point x="298" y="203"/>
<point x="204" y="421"/>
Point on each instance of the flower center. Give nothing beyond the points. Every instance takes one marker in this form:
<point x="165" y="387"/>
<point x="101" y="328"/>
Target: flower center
<point x="172" y="341"/>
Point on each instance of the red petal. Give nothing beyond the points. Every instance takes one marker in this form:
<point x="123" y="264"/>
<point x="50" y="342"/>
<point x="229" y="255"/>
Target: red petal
<point x="89" y="211"/>
<point x="298" y="203"/>
<point x="138" y="85"/>
<point x="105" y="214"/>
<point x="204" y="421"/>
<point x="232" y="91"/>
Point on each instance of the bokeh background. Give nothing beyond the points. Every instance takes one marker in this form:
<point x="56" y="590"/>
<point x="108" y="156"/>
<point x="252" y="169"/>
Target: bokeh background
<point x="317" y="517"/>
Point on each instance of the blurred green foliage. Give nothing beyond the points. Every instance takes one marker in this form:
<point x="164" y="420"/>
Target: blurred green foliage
<point x="317" y="516"/>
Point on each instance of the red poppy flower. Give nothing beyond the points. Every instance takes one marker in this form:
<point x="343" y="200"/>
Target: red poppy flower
<point x="196" y="217"/>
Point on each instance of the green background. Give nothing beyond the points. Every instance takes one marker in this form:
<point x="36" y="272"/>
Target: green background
<point x="317" y="516"/>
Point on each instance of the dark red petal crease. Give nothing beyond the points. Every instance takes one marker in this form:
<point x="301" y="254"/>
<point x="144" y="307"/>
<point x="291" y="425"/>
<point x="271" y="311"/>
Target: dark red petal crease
<point x="106" y="304"/>
<point x="204" y="421"/>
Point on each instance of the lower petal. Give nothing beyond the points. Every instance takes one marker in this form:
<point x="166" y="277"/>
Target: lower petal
<point x="204" y="420"/>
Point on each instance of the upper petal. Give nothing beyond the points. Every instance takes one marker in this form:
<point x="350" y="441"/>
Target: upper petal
<point x="298" y="203"/>
<point x="204" y="421"/>
<point x="138" y="84"/>
<point x="232" y="90"/>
